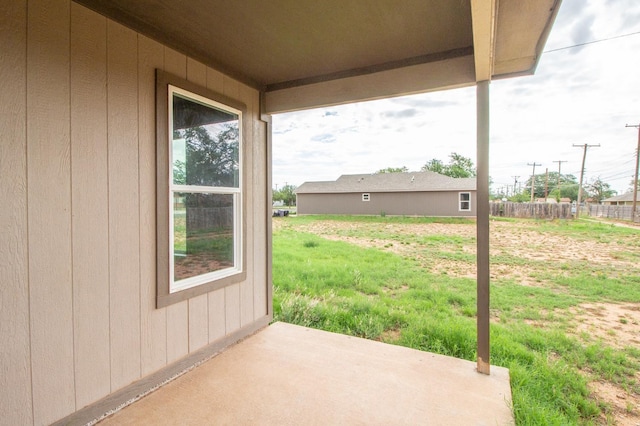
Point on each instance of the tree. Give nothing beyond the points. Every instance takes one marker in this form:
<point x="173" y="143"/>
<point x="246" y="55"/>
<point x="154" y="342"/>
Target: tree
<point x="210" y="160"/>
<point x="286" y="194"/>
<point x="541" y="180"/>
<point x="599" y="190"/>
<point x="402" y="169"/>
<point x="569" y="191"/>
<point x="179" y="172"/>
<point x="521" y="197"/>
<point x="434" y="165"/>
<point x="630" y="189"/>
<point x="459" y="166"/>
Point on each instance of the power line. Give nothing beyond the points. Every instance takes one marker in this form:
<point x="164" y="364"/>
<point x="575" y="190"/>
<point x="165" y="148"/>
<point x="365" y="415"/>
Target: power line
<point x="591" y="42"/>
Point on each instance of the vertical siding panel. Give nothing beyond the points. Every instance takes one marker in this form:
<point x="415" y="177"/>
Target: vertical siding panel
<point x="232" y="308"/>
<point x="217" y="316"/>
<point x="217" y="319"/>
<point x="15" y="364"/>
<point x="178" y="313"/>
<point x="198" y="309"/>
<point x="246" y="287"/>
<point x="49" y="210"/>
<point x="231" y="88"/>
<point x="215" y="80"/>
<point x="153" y="327"/>
<point x="198" y="322"/>
<point x="261" y="213"/>
<point x="124" y="228"/>
<point x="89" y="194"/>
<point x="196" y="72"/>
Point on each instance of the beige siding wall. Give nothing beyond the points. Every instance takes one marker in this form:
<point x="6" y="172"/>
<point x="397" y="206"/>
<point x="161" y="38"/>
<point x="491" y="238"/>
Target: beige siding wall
<point x="389" y="203"/>
<point x="77" y="182"/>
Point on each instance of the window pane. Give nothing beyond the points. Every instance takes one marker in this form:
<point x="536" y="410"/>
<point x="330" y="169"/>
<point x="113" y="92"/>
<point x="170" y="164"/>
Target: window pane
<point x="465" y="196"/>
<point x="203" y="233"/>
<point x="205" y="145"/>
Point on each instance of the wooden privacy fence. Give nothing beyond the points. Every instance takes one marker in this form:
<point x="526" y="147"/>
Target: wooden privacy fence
<point x="613" y="212"/>
<point x="532" y="210"/>
<point x="201" y="218"/>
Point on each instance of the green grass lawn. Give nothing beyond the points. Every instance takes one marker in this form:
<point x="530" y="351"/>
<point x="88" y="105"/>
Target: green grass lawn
<point x="406" y="281"/>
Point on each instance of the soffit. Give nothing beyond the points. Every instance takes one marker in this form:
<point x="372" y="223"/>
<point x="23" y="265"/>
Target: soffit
<point x="312" y="53"/>
<point x="521" y="31"/>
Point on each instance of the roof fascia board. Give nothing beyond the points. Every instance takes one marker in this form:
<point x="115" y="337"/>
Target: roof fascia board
<point x="403" y="63"/>
<point x="484" y="18"/>
<point x="385" y="191"/>
<point x="545" y="34"/>
<point x="440" y="75"/>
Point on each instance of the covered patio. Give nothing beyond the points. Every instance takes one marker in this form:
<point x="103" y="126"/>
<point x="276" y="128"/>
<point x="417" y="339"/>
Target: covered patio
<point x="85" y="325"/>
<point x="291" y="375"/>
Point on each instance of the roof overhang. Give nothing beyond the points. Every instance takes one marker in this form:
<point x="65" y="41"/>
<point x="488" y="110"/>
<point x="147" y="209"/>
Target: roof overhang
<point x="307" y="54"/>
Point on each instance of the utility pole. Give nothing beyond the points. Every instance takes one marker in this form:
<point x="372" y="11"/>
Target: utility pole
<point x="546" y="184"/>
<point x="584" y="157"/>
<point x="533" y="177"/>
<point x="635" y="180"/>
<point x="515" y="182"/>
<point x="559" y="168"/>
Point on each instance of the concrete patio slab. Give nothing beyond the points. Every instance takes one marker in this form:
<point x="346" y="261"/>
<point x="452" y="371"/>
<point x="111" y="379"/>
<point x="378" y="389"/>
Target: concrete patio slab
<point x="291" y="375"/>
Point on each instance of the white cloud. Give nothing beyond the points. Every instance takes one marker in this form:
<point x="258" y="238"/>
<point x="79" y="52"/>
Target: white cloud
<point x="579" y="95"/>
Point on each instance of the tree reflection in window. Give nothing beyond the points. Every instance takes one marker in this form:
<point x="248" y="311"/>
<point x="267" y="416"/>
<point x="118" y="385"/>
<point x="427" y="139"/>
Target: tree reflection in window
<point x="206" y="190"/>
<point x="209" y="155"/>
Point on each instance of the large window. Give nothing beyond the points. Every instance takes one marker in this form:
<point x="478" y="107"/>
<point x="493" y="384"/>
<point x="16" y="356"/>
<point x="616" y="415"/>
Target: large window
<point x="200" y="196"/>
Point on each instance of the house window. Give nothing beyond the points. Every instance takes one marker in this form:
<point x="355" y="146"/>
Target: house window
<point x="200" y="191"/>
<point x="465" y="201"/>
<point x="365" y="197"/>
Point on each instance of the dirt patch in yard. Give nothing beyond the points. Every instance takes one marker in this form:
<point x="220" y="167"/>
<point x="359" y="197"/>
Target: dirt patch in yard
<point x="623" y="407"/>
<point x="616" y="324"/>
<point x="508" y="242"/>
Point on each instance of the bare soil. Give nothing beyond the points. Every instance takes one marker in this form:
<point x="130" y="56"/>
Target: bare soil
<point x="617" y="325"/>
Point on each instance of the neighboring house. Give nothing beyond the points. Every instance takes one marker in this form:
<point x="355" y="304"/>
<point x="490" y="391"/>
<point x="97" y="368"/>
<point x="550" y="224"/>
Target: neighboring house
<point x="621" y="200"/>
<point x="106" y="108"/>
<point x="411" y="194"/>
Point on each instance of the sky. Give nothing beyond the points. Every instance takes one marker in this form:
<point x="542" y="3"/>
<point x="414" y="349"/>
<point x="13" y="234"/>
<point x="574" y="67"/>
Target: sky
<point x="578" y="95"/>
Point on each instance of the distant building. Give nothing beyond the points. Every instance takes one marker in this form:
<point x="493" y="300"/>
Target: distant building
<point x="621" y="200"/>
<point x="411" y="194"/>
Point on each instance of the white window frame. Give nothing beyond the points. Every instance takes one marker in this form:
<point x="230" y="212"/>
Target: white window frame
<point x="168" y="290"/>
<point x="460" y="201"/>
<point x="366" y="196"/>
<point x="186" y="283"/>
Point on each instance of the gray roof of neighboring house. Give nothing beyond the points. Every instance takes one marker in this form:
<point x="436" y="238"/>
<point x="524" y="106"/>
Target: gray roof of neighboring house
<point x="389" y="182"/>
<point x="624" y="197"/>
